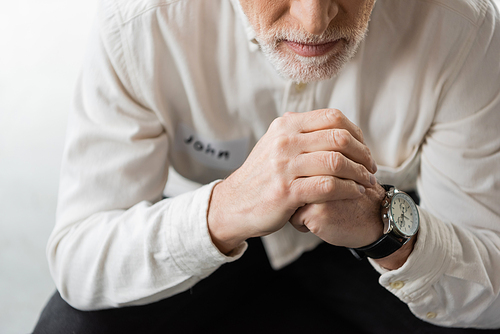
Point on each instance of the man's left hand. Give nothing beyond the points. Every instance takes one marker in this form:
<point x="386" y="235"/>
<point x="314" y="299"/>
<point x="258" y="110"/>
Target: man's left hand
<point x="350" y="223"/>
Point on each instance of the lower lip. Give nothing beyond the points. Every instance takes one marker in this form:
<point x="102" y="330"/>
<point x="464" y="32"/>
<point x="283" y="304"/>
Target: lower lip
<point x="308" y="50"/>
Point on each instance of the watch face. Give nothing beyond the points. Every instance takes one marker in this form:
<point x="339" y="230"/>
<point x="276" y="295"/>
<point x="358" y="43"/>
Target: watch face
<point x="404" y="214"/>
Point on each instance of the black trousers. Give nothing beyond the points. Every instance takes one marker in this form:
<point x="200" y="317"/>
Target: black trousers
<point x="325" y="291"/>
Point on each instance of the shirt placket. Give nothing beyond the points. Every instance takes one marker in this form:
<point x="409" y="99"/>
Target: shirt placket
<point x="298" y="97"/>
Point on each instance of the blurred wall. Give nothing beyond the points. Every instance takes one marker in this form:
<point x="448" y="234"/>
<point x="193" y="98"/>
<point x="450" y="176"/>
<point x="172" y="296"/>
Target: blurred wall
<point x="41" y="46"/>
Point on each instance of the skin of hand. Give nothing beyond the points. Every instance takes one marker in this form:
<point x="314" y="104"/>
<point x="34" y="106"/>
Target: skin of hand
<point x="351" y="223"/>
<point x="304" y="158"/>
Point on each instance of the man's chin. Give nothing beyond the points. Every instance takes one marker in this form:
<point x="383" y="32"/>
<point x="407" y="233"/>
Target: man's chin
<point x="311" y="69"/>
<point x="307" y="75"/>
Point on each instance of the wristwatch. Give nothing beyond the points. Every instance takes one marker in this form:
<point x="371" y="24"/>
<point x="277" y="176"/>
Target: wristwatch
<point x="401" y="222"/>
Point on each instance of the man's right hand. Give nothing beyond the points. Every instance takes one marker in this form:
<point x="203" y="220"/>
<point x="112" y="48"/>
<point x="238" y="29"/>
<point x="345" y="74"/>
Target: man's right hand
<point x="303" y="158"/>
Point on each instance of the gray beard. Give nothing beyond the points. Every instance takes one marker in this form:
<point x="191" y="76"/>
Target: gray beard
<point x="293" y="67"/>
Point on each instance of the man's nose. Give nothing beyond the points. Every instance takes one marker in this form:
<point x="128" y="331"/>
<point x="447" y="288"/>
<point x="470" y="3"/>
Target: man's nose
<point x="314" y="15"/>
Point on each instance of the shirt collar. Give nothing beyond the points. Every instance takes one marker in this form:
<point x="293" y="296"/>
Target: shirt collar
<point x="251" y="36"/>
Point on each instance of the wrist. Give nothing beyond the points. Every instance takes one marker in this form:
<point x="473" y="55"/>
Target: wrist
<point x="225" y="235"/>
<point x="397" y="259"/>
<point x="401" y="222"/>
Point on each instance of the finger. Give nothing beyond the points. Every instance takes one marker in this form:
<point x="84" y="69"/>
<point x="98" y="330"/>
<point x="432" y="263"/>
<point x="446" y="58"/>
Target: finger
<point x="339" y="140"/>
<point x="320" y="189"/>
<point x="298" y="221"/>
<point x="334" y="164"/>
<point x="323" y="119"/>
<point x="298" y="224"/>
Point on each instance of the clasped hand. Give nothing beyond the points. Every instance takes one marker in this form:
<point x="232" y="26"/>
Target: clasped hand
<point x="311" y="169"/>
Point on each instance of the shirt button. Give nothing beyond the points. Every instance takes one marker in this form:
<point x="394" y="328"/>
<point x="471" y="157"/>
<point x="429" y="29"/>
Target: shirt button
<point x="300" y="86"/>
<point x="397" y="285"/>
<point x="431" y="315"/>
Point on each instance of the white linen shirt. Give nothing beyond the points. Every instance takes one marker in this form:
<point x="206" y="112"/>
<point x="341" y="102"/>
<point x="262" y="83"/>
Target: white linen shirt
<point x="182" y="84"/>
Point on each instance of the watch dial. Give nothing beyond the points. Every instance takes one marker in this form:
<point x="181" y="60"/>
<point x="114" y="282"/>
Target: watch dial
<point x="404" y="214"/>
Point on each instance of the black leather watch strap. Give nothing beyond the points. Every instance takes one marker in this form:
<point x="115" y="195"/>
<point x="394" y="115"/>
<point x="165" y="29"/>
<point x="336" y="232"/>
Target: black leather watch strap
<point x="387" y="187"/>
<point x="383" y="247"/>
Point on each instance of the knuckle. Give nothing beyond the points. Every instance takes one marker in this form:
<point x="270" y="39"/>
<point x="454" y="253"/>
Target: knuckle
<point x="336" y="162"/>
<point x="278" y="124"/>
<point x="280" y="143"/>
<point x="281" y="146"/>
<point x="326" y="185"/>
<point x="277" y="165"/>
<point x="341" y="138"/>
<point x="333" y="116"/>
<point x="282" y="189"/>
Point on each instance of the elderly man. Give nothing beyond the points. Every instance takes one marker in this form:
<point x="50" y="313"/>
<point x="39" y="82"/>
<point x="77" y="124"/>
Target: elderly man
<point x="287" y="113"/>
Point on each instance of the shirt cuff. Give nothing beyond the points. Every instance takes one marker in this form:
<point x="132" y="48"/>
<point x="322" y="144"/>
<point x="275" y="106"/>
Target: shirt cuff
<point x="429" y="260"/>
<point x="188" y="238"/>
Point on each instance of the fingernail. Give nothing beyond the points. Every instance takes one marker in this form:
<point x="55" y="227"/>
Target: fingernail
<point x="361" y="189"/>
<point x="374" y="166"/>
<point x="373" y="179"/>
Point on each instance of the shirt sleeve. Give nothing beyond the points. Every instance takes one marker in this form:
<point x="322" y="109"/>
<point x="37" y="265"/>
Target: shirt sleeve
<point x="451" y="278"/>
<point x="116" y="242"/>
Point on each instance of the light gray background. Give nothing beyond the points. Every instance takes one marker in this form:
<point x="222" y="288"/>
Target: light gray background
<point x="41" y="50"/>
